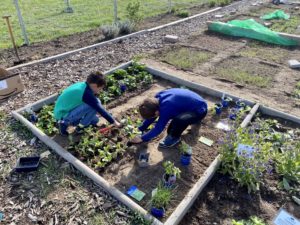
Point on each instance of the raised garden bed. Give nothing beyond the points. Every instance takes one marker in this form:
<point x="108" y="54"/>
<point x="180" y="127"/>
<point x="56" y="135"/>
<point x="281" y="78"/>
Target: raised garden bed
<point x="122" y="171"/>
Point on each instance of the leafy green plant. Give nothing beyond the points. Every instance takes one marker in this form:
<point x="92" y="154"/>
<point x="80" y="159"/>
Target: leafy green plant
<point x="133" y="77"/>
<point x="133" y="11"/>
<point x="46" y="121"/>
<point x="288" y="164"/>
<point x="185" y="149"/>
<point x="247" y="168"/>
<point x="162" y="197"/>
<point x="252" y="221"/>
<point x="171" y="169"/>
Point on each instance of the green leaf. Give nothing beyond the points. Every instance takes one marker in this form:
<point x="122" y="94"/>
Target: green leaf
<point x="286" y="184"/>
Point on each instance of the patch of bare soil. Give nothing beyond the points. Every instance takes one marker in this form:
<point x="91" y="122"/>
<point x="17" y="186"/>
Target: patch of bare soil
<point x="222" y="200"/>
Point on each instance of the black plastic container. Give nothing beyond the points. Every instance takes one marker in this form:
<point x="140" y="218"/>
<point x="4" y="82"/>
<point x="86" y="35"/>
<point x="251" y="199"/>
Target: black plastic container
<point x="27" y="164"/>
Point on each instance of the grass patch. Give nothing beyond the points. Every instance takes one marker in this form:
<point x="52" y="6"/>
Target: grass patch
<point x="296" y="93"/>
<point x="185" y="58"/>
<point x="286" y="26"/>
<point x="243" y="77"/>
<point x="45" y="19"/>
<point x="269" y="54"/>
<point x="213" y="3"/>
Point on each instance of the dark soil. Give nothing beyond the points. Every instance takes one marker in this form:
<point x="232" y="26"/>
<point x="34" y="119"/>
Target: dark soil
<point x="223" y="200"/>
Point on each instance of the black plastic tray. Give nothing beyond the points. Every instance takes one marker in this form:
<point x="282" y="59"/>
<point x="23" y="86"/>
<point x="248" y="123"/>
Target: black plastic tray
<point x="26" y="164"/>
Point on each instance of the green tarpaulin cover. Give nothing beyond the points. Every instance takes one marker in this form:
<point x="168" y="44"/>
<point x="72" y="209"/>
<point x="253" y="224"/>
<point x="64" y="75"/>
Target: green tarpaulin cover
<point x="277" y="14"/>
<point x="250" y="29"/>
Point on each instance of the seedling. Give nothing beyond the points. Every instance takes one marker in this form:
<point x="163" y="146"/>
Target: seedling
<point x="160" y="200"/>
<point x="171" y="169"/>
<point x="185" y="149"/>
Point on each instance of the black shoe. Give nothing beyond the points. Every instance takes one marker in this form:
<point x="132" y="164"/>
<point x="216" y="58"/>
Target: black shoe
<point x="63" y="126"/>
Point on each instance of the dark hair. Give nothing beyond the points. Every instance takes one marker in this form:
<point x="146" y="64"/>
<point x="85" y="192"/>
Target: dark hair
<point x="96" y="78"/>
<point x="149" y="108"/>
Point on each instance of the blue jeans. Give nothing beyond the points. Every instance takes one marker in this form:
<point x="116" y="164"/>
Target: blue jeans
<point x="83" y="114"/>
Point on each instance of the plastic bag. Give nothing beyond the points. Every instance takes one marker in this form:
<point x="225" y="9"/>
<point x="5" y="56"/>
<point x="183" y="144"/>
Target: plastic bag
<point x="250" y="29"/>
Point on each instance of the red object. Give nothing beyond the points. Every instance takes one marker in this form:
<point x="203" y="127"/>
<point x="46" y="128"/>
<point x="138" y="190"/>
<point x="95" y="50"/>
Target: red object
<point x="104" y="130"/>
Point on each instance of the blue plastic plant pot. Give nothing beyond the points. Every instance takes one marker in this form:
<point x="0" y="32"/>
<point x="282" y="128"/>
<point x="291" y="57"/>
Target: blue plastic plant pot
<point x="158" y="213"/>
<point x="232" y="116"/>
<point x="185" y="160"/>
<point x="33" y="118"/>
<point x="225" y="102"/>
<point x="123" y="87"/>
<point x="240" y="104"/>
<point x="218" y="108"/>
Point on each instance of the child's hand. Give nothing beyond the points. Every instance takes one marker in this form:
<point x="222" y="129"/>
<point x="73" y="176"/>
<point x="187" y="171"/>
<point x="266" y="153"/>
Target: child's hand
<point x="136" y="140"/>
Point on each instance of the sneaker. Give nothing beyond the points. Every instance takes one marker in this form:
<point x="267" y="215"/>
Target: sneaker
<point x="169" y="142"/>
<point x="63" y="126"/>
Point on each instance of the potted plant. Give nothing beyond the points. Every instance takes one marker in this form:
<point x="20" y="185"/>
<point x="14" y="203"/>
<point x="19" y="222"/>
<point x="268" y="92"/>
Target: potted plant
<point x="240" y="104"/>
<point x="186" y="153"/>
<point x="218" y="108"/>
<point x="225" y="101"/>
<point x="160" y="200"/>
<point x="171" y="173"/>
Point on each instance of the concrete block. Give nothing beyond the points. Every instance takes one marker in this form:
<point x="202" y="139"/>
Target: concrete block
<point x="294" y="64"/>
<point x="219" y="16"/>
<point x="171" y="38"/>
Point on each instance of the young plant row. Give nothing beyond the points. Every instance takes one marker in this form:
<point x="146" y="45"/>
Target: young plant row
<point x="100" y="149"/>
<point x="118" y="83"/>
<point x="134" y="77"/>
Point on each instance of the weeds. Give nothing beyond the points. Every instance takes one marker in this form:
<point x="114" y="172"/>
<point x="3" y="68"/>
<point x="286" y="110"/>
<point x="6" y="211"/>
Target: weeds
<point x="245" y="78"/>
<point x="252" y="221"/>
<point x="133" y="11"/>
<point x="212" y="3"/>
<point x="296" y="92"/>
<point x="186" y="58"/>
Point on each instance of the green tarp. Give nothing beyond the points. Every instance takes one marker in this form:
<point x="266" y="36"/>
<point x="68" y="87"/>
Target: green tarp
<point x="278" y="14"/>
<point x="250" y="29"/>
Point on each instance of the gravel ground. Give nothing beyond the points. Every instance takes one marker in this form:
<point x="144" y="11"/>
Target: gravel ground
<point x="48" y="197"/>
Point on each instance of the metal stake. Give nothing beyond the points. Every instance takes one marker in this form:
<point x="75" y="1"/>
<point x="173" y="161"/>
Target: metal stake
<point x="11" y="35"/>
<point x="21" y="21"/>
<point x="116" y="11"/>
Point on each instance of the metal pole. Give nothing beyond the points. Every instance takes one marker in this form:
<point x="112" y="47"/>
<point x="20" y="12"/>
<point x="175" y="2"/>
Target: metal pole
<point x="11" y="35"/>
<point x="170" y="5"/>
<point x="116" y="11"/>
<point x="69" y="9"/>
<point x="22" y="24"/>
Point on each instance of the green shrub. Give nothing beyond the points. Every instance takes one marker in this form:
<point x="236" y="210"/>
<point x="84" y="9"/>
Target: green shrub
<point x="182" y="14"/>
<point x="133" y="11"/>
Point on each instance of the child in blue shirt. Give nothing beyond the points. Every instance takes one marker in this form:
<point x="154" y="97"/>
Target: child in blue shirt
<point x="180" y="106"/>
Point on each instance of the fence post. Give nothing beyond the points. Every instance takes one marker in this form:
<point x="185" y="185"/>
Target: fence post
<point x="69" y="9"/>
<point x="170" y="5"/>
<point x="22" y="24"/>
<point x="115" y="11"/>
